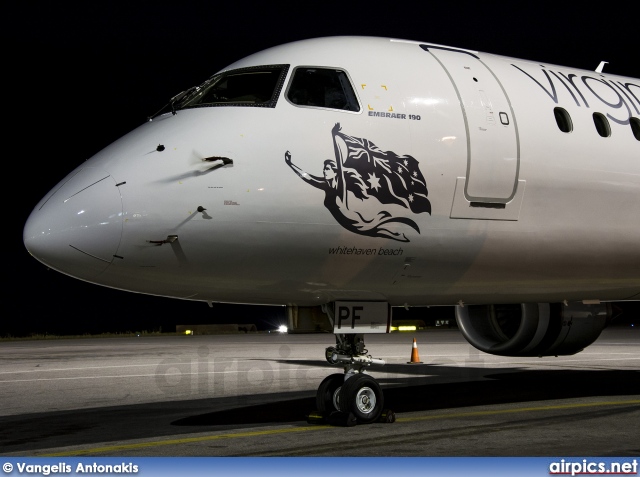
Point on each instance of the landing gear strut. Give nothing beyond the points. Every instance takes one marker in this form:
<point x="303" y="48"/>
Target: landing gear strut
<point x="354" y="391"/>
<point x="353" y="397"/>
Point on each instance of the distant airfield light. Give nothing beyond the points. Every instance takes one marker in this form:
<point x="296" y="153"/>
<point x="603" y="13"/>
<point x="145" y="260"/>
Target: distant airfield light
<point x="403" y="328"/>
<point x="188" y="332"/>
<point x="283" y="329"/>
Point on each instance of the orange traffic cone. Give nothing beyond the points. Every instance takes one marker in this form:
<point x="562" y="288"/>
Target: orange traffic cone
<point x="415" y="358"/>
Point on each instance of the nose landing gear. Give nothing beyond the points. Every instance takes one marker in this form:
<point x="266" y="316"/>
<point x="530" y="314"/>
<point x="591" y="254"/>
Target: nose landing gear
<point x="353" y="392"/>
<point x="353" y="397"/>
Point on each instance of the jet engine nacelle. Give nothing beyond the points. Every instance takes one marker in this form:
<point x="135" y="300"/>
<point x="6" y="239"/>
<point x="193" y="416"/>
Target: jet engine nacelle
<point x="532" y="329"/>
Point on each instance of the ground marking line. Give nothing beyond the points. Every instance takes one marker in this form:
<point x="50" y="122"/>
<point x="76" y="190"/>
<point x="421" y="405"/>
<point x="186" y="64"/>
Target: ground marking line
<point x="523" y="409"/>
<point x="124" y="366"/>
<point x="143" y="375"/>
<point x="188" y="440"/>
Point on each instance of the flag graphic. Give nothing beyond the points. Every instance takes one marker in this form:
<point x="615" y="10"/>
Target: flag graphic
<point x="391" y="178"/>
<point x="381" y="185"/>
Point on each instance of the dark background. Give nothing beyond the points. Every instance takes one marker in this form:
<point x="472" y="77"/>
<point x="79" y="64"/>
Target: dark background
<point x="76" y="76"/>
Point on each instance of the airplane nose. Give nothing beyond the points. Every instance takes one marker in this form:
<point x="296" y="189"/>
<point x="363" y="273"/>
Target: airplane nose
<point x="76" y="229"/>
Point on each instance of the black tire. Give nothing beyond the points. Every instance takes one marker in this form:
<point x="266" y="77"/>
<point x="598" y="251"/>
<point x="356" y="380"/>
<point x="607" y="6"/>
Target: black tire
<point x="328" y="391"/>
<point x="362" y="396"/>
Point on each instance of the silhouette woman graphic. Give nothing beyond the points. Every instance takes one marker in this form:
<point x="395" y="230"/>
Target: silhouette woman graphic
<point x="346" y="196"/>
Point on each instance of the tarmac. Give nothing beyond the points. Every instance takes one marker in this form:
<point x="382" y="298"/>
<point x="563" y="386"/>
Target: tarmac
<point x="250" y="395"/>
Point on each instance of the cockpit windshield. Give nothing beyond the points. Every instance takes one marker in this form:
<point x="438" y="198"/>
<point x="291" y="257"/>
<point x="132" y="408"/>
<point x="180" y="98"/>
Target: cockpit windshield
<point x="322" y="88"/>
<point x="256" y="86"/>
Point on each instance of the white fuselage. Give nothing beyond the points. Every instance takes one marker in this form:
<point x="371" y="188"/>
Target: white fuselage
<point x="520" y="211"/>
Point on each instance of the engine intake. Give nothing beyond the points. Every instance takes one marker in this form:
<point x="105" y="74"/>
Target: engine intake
<point x="532" y="329"/>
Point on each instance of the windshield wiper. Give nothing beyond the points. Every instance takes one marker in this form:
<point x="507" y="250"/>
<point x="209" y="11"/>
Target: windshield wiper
<point x="174" y="100"/>
<point x="181" y="96"/>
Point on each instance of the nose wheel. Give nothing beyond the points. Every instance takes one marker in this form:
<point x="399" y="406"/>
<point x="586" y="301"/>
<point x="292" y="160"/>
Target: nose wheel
<point x="328" y="395"/>
<point x="362" y="396"/>
<point x="354" y="392"/>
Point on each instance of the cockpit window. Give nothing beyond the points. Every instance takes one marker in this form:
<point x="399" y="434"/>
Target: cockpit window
<point x="322" y="88"/>
<point x="256" y="86"/>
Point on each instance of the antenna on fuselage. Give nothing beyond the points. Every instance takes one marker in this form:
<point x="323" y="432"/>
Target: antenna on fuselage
<point x="601" y="66"/>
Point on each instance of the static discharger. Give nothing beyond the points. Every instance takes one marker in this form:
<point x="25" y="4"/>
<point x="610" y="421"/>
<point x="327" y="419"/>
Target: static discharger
<point x="415" y="357"/>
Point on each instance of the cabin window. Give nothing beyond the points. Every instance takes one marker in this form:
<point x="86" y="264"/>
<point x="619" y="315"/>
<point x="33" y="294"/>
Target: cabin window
<point x="563" y="120"/>
<point x="602" y="125"/>
<point x="322" y="88"/>
<point x="256" y="86"/>
<point x="635" y="127"/>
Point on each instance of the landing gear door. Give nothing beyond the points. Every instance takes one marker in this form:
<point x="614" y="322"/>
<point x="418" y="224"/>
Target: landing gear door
<point x="361" y="317"/>
<point x="492" y="135"/>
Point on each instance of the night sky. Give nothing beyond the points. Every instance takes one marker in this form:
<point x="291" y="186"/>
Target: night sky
<point x="76" y="76"/>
